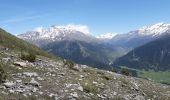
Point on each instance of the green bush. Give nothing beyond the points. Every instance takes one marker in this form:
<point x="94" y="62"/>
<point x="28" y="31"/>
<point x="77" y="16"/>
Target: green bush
<point x="2" y="74"/>
<point x="125" y="71"/>
<point x="89" y="88"/>
<point x="29" y="57"/>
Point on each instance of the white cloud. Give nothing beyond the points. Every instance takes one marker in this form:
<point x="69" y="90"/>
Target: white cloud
<point x="77" y="27"/>
<point x="38" y="29"/>
<point x="107" y="36"/>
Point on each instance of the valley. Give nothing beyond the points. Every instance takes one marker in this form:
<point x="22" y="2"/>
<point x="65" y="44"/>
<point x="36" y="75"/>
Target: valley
<point x="106" y="52"/>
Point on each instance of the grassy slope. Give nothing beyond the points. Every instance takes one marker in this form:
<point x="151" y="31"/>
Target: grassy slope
<point x="157" y="76"/>
<point x="161" y="76"/>
<point x="12" y="42"/>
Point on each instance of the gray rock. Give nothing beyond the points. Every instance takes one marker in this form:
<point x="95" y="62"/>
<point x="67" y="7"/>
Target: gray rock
<point x="19" y="90"/>
<point x="21" y="64"/>
<point x="19" y="81"/>
<point x="40" y="79"/>
<point x="11" y="91"/>
<point x="51" y="94"/>
<point x="81" y="76"/>
<point x="34" y="90"/>
<point x="6" y="59"/>
<point x="80" y="88"/>
<point x="56" y="98"/>
<point x="74" y="94"/>
<point x="2" y="87"/>
<point x="9" y="84"/>
<point x="33" y="82"/>
<point x="101" y="96"/>
<point x="138" y="97"/>
<point x="30" y="74"/>
<point x="114" y="93"/>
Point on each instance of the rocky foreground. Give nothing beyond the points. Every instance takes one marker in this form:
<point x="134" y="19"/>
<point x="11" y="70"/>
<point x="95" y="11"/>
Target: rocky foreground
<point x="48" y="79"/>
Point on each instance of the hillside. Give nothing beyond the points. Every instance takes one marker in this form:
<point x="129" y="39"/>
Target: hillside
<point x="57" y="80"/>
<point x="153" y="55"/>
<point x="51" y="79"/>
<point x="151" y="61"/>
<point x="9" y="41"/>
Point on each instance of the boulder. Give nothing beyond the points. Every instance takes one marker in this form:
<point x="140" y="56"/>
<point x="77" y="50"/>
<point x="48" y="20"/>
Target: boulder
<point x="21" y="64"/>
<point x="9" y="84"/>
<point x="80" y="88"/>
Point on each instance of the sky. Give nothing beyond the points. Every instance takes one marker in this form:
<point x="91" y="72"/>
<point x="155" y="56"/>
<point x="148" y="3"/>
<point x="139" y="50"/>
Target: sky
<point x="100" y="16"/>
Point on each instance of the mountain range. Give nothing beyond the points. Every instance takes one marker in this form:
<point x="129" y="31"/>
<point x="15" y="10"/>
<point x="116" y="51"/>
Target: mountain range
<point x="84" y="48"/>
<point x="74" y="44"/>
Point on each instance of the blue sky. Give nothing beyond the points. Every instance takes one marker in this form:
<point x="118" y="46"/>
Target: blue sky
<point x="101" y="16"/>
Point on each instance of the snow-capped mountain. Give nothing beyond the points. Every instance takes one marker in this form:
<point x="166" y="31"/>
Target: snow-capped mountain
<point x="141" y="36"/>
<point x="155" y="30"/>
<point x="58" y="33"/>
<point x="106" y="36"/>
<point x="81" y="33"/>
<point x="75" y="42"/>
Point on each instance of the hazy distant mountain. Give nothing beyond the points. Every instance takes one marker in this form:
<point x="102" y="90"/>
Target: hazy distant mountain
<point x="139" y="37"/>
<point x="106" y="36"/>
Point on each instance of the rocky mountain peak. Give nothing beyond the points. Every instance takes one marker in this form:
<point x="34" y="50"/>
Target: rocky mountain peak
<point x="58" y="33"/>
<point x="155" y="30"/>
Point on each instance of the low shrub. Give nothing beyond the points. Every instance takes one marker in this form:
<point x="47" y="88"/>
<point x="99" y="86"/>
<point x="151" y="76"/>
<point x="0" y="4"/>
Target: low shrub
<point x="90" y="88"/>
<point x="29" y="57"/>
<point x="3" y="75"/>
